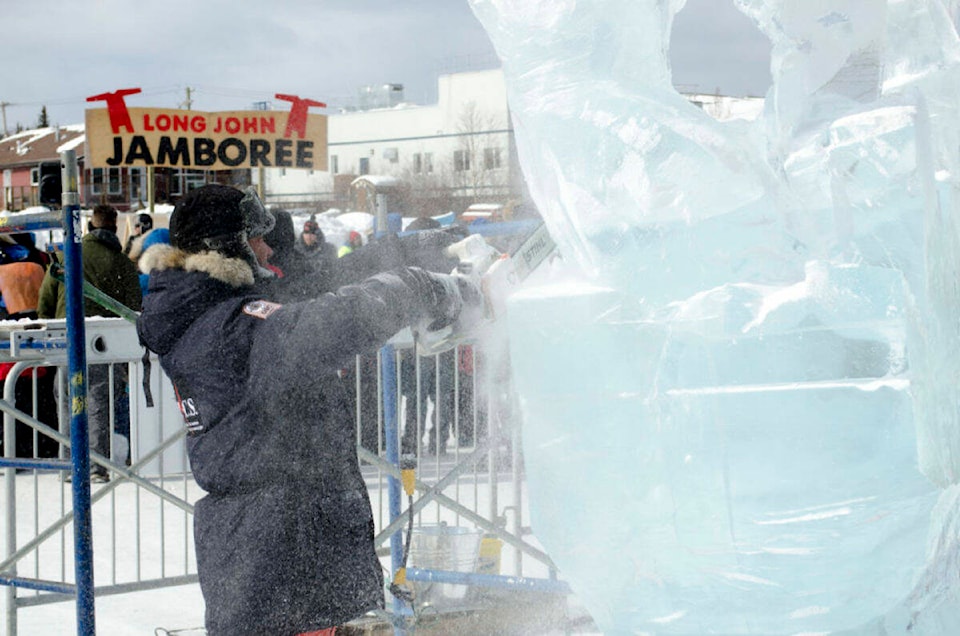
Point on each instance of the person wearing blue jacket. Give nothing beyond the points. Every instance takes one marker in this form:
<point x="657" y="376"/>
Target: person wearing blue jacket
<point x="284" y="535"/>
<point x="143" y="242"/>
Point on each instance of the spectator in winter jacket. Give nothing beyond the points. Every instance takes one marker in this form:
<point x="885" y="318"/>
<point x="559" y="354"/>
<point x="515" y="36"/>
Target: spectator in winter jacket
<point x="109" y="270"/>
<point x="104" y="266"/>
<point x="284" y="536"/>
<point x="156" y="236"/>
<point x="20" y="279"/>
<point x="314" y="245"/>
<point x="299" y="277"/>
<point x="354" y="240"/>
<point x="143" y="225"/>
<point x="22" y="247"/>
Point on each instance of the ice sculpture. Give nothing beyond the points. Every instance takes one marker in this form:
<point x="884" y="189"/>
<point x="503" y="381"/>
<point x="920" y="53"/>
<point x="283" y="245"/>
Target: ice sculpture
<point x="741" y="413"/>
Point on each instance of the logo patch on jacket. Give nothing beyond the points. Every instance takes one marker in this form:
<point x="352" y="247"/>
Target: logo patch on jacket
<point x="260" y="308"/>
<point x="189" y="411"/>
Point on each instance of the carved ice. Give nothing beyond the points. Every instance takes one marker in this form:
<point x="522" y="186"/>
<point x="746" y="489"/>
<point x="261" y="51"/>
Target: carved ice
<point x="742" y="416"/>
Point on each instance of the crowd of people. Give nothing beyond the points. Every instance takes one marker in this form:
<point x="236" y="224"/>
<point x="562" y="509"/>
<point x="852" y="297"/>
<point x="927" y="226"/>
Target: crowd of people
<point x="31" y="287"/>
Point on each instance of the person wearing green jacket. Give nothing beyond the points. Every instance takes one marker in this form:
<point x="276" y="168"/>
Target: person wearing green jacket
<point x="108" y="269"/>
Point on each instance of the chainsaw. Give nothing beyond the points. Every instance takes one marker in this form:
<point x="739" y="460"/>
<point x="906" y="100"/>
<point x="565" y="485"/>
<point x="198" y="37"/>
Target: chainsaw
<point x="498" y="275"/>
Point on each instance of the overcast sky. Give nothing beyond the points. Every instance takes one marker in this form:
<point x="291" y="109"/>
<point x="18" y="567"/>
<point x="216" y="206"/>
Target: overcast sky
<point x="234" y="53"/>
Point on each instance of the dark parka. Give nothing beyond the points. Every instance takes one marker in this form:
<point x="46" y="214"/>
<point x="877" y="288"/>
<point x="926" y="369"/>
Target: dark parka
<point x="106" y="267"/>
<point x="284" y="535"/>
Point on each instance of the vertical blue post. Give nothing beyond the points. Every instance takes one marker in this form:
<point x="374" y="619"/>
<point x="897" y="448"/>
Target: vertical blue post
<point x="77" y="381"/>
<point x="388" y="374"/>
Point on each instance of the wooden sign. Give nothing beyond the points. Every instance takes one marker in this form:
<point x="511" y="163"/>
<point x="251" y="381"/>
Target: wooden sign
<point x="122" y="136"/>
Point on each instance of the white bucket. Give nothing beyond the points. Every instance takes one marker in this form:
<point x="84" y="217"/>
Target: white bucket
<point x="447" y="548"/>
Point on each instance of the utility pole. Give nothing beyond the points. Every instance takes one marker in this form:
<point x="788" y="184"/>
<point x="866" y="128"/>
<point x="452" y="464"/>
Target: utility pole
<point x="3" y="110"/>
<point x="189" y="101"/>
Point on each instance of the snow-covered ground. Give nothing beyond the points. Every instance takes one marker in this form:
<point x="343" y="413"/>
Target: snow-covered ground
<point x="128" y="545"/>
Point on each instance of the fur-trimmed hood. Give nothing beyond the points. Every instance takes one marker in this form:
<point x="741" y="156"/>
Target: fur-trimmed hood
<point x="184" y="286"/>
<point x="136" y="247"/>
<point x="138" y="244"/>
<point x="161" y="257"/>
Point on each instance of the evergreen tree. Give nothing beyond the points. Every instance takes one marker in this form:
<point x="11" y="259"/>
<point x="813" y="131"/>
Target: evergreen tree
<point x="43" y="121"/>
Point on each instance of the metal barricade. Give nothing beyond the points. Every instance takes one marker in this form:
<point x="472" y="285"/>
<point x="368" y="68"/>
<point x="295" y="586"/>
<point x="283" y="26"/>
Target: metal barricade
<point x="458" y="422"/>
<point x="142" y="533"/>
<point x="142" y="530"/>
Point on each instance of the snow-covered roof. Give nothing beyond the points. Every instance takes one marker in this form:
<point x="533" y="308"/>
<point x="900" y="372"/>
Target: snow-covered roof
<point x="377" y="180"/>
<point x="30" y="147"/>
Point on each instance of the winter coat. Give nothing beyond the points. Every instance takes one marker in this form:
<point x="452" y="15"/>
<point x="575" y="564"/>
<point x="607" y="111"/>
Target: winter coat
<point x="106" y="267"/>
<point x="20" y="286"/>
<point x="137" y="245"/>
<point x="284" y="537"/>
<point x="298" y="276"/>
<point x="322" y="254"/>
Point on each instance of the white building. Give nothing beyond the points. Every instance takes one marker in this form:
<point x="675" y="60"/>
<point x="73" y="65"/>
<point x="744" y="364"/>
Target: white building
<point x="459" y="150"/>
<point x="452" y="154"/>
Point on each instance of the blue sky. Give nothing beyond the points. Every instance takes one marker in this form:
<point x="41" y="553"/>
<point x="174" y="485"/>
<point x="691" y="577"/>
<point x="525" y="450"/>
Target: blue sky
<point x="234" y="53"/>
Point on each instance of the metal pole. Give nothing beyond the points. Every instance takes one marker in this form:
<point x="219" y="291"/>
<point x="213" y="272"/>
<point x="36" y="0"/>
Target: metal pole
<point x="151" y="188"/>
<point x="10" y="518"/>
<point x="76" y="355"/>
<point x="388" y="375"/>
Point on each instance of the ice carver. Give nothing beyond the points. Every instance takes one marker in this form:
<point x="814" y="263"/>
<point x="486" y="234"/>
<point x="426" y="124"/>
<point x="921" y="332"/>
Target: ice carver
<point x="284" y="535"/>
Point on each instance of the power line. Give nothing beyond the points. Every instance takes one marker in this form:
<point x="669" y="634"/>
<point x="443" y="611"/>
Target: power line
<point x="68" y="101"/>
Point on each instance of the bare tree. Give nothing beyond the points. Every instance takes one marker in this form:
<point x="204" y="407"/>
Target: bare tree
<point x="479" y="162"/>
<point x="429" y="192"/>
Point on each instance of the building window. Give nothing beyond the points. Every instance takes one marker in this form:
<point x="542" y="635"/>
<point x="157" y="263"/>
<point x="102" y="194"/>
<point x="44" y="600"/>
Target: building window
<point x="461" y="160"/>
<point x="491" y="158"/>
<point x="136" y="175"/>
<point x="391" y="154"/>
<point x="193" y="179"/>
<point x="34" y="176"/>
<point x="334" y="164"/>
<point x="422" y="163"/>
<point x="114" y="185"/>
<point x="176" y="177"/>
<point x="96" y="181"/>
<point x="364" y="165"/>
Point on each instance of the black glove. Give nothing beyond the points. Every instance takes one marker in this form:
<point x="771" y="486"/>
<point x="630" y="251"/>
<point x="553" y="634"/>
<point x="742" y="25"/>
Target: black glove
<point x="425" y="249"/>
<point x="446" y="298"/>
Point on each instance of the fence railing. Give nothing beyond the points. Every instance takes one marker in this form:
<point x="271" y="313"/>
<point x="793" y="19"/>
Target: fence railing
<point x="457" y="425"/>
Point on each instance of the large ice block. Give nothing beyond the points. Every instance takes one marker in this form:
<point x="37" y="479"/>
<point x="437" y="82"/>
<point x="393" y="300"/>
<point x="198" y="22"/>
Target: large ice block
<point x="755" y="366"/>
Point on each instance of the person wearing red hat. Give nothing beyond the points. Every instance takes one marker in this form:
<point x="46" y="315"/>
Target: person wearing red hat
<point x="354" y="240"/>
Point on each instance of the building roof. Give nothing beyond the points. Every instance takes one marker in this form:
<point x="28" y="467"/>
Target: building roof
<point x="377" y="180"/>
<point x="30" y="147"/>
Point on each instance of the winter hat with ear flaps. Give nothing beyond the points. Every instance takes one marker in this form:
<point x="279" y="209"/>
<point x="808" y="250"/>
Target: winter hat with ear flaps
<point x="219" y="218"/>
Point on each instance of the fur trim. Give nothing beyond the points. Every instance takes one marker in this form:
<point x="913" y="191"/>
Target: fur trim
<point x="136" y="247"/>
<point x="233" y="271"/>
